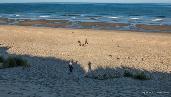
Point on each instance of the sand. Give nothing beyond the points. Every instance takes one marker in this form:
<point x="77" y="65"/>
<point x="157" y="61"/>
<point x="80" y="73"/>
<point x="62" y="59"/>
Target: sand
<point x="47" y="50"/>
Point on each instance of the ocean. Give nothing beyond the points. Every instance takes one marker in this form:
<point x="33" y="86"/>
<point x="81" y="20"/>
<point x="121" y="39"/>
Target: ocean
<point x="131" y="14"/>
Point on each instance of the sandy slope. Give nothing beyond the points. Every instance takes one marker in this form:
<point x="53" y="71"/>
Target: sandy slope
<point x="149" y="51"/>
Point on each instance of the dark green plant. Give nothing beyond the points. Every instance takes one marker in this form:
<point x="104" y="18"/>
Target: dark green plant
<point x="14" y="62"/>
<point x="10" y="62"/>
<point x="141" y="76"/>
<point x="20" y="61"/>
<point x="1" y="59"/>
<point x="127" y="74"/>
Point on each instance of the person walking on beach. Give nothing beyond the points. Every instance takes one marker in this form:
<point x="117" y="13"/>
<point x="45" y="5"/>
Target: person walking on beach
<point x="70" y="66"/>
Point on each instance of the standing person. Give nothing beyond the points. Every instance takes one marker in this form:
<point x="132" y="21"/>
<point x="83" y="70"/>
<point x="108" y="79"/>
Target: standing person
<point x="86" y="42"/>
<point x="70" y="66"/>
<point x="89" y="73"/>
<point x="89" y="66"/>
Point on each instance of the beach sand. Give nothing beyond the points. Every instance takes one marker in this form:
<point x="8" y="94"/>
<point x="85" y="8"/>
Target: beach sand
<point x="50" y="48"/>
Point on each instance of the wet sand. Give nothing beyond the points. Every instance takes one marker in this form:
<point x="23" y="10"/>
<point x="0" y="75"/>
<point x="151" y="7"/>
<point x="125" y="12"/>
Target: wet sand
<point x="54" y="23"/>
<point x="154" y="27"/>
<point x="144" y="51"/>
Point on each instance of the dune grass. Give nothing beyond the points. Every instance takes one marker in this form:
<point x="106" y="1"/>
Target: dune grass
<point x="127" y="74"/>
<point x="141" y="76"/>
<point x="138" y="75"/>
<point x="1" y="59"/>
<point x="109" y="73"/>
<point x="13" y="62"/>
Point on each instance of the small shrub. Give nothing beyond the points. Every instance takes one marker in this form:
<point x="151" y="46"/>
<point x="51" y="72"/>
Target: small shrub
<point x="102" y="76"/>
<point x="10" y="62"/>
<point x="20" y="61"/>
<point x="127" y="74"/>
<point x="141" y="76"/>
<point x="14" y="62"/>
<point x="1" y="59"/>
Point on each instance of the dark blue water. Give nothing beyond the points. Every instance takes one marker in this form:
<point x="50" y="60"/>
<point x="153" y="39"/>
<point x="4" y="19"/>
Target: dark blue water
<point x="158" y="14"/>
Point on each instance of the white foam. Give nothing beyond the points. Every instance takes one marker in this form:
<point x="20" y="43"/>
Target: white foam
<point x="44" y="16"/>
<point x="82" y="15"/>
<point x="134" y="18"/>
<point x="17" y="15"/>
<point x="155" y="20"/>
<point x="73" y="17"/>
<point x="113" y="17"/>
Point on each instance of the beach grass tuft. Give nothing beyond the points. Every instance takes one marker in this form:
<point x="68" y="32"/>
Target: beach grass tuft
<point x="20" y="61"/>
<point x="14" y="62"/>
<point x="1" y="59"/>
<point x="10" y="62"/>
<point x="127" y="74"/>
<point x="141" y="76"/>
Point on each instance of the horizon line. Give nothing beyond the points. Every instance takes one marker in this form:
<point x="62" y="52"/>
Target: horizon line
<point x="89" y="2"/>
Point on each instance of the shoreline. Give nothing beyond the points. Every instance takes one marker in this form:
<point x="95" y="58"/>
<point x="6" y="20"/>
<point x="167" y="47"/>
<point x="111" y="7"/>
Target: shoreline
<point x="103" y="30"/>
<point x="86" y="25"/>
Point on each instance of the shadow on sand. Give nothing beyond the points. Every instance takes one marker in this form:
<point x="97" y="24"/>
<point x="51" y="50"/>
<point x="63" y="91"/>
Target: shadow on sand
<point x="54" y="73"/>
<point x="103" y="73"/>
<point x="43" y="66"/>
<point x="53" y="67"/>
